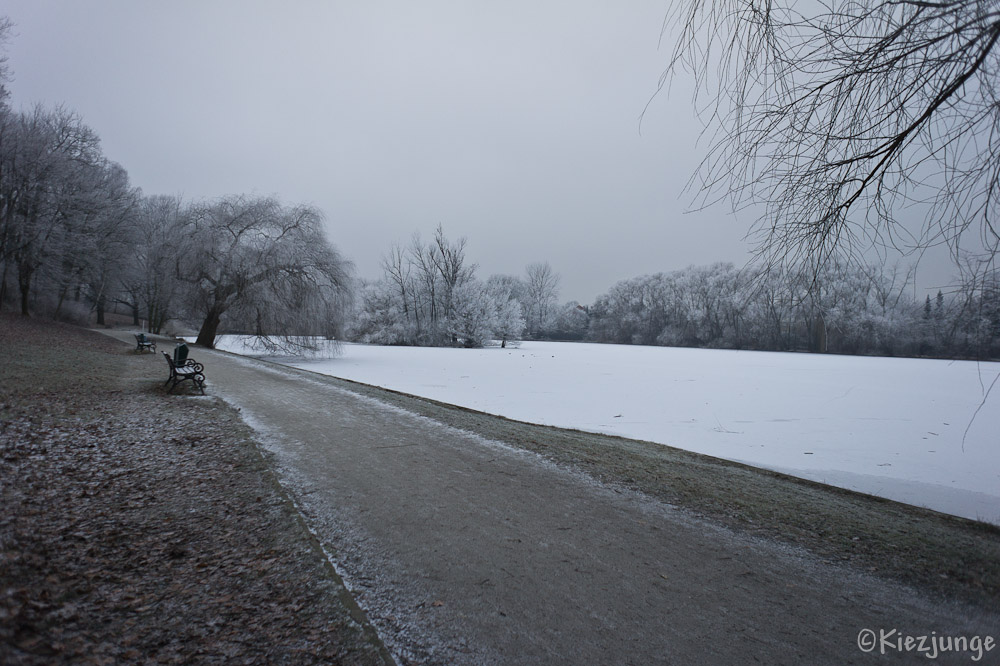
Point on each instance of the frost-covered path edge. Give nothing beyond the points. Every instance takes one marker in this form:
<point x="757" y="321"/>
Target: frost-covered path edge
<point x="462" y="550"/>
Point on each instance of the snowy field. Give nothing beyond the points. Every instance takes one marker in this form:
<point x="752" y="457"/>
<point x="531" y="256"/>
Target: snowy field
<point x="889" y="427"/>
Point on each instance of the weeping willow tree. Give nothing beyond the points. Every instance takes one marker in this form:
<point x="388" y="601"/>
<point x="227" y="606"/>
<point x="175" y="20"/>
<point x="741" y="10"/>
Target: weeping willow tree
<point x="264" y="268"/>
<point x="841" y="118"/>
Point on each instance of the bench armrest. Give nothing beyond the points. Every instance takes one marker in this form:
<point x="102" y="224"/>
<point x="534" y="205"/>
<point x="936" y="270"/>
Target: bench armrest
<point x="191" y="363"/>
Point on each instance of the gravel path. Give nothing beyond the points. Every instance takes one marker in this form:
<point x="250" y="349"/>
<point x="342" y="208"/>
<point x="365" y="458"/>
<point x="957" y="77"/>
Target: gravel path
<point x="464" y="550"/>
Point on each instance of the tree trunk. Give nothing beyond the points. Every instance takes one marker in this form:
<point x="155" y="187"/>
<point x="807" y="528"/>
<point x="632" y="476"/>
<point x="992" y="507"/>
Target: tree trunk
<point x="62" y="295"/>
<point x="819" y="335"/>
<point x="100" y="311"/>
<point x="206" y="336"/>
<point x="135" y="314"/>
<point x="24" y="282"/>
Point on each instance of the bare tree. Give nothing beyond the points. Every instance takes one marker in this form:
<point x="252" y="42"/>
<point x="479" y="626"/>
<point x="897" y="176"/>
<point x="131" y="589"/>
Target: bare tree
<point x="150" y="285"/>
<point x="836" y="119"/>
<point x="449" y="260"/>
<point x="398" y="272"/>
<point x="441" y="268"/>
<point x="424" y="260"/>
<point x="541" y="292"/>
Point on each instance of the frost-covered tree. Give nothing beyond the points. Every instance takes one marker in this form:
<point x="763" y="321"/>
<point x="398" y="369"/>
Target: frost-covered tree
<point x="101" y="239"/>
<point x="509" y="319"/>
<point x="268" y="266"/>
<point x="448" y="259"/>
<point x="571" y="322"/>
<point x="512" y="285"/>
<point x="540" y="298"/>
<point x="474" y="318"/>
<point x="380" y="317"/>
<point x="50" y="167"/>
<point x="843" y="307"/>
<point x="430" y="273"/>
<point x="976" y="315"/>
<point x="429" y="295"/>
<point x="6" y="28"/>
<point x="150" y="286"/>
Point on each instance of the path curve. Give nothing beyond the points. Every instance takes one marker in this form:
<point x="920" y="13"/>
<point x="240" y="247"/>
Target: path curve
<point x="463" y="550"/>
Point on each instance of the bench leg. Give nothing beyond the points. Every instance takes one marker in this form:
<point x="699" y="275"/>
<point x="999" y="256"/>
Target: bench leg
<point x="178" y="379"/>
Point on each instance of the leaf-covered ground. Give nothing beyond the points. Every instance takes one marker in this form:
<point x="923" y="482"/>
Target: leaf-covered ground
<point x="143" y="527"/>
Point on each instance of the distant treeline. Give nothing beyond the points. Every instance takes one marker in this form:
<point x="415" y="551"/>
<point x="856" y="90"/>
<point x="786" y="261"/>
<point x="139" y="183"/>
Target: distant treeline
<point x="844" y="308"/>
<point x="429" y="294"/>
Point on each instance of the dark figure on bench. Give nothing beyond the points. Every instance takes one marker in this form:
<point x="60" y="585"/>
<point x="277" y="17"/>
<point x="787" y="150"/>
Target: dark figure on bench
<point x="142" y="343"/>
<point x="182" y="368"/>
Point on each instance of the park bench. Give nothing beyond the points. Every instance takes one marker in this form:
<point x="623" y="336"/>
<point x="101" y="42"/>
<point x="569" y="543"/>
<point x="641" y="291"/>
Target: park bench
<point x="183" y="369"/>
<point x="142" y="343"/>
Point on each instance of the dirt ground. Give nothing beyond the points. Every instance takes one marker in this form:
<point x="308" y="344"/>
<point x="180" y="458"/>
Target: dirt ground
<point x="142" y="527"/>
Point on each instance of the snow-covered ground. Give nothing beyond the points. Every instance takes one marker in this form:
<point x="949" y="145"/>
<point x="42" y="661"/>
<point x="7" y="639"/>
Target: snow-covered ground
<point x="899" y="428"/>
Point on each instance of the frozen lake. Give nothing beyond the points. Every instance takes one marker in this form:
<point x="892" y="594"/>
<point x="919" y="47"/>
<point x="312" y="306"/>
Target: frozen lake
<point x="897" y="428"/>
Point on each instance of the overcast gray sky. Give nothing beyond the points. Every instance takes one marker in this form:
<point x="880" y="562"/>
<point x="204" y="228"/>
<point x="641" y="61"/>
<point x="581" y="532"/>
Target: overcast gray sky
<point x="514" y="124"/>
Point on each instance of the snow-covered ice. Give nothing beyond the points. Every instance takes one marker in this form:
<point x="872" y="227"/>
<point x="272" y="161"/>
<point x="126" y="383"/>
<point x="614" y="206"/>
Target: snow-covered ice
<point x="899" y="428"/>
